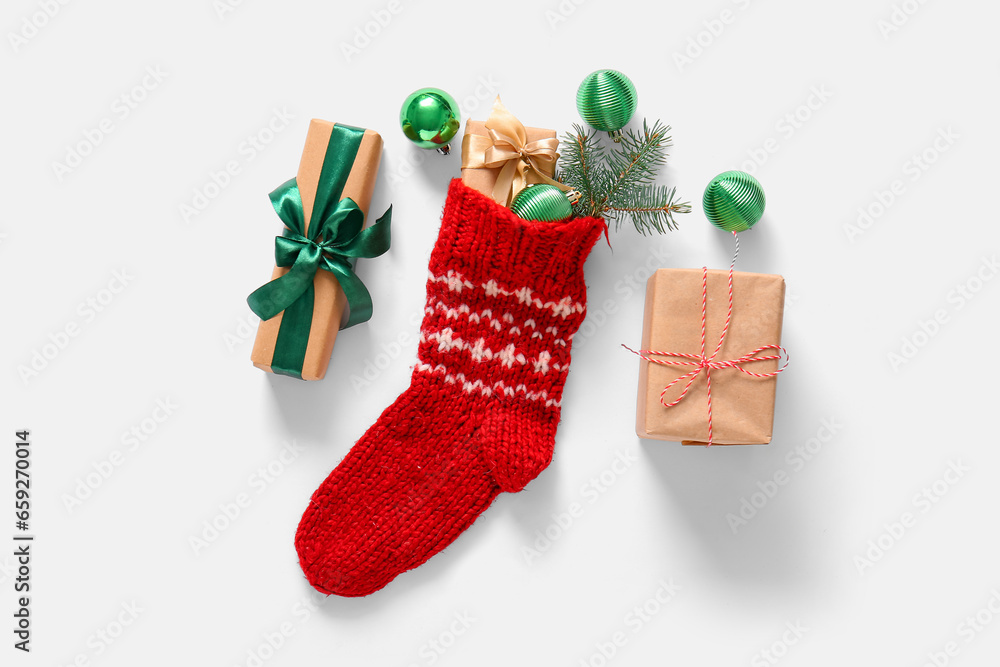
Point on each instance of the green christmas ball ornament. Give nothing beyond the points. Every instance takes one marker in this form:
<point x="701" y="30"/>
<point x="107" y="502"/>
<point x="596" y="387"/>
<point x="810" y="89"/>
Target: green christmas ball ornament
<point x="544" y="202"/>
<point x="606" y="101"/>
<point x="430" y="118"/>
<point x="734" y="201"/>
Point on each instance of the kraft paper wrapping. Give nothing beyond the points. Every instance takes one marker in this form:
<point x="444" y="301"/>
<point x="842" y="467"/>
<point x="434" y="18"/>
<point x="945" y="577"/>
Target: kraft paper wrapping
<point x="330" y="302"/>
<point x="743" y="406"/>
<point x="483" y="179"/>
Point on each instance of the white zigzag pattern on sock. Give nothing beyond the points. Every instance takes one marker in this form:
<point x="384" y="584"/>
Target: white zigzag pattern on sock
<point x="486" y="316"/>
<point x="478" y="385"/>
<point x="447" y="341"/>
<point x="563" y="308"/>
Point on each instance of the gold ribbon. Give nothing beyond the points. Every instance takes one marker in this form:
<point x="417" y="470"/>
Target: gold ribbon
<point x="521" y="162"/>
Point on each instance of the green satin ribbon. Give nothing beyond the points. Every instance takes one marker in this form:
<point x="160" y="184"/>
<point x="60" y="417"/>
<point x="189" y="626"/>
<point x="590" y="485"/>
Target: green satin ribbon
<point x="329" y="246"/>
<point x="334" y="238"/>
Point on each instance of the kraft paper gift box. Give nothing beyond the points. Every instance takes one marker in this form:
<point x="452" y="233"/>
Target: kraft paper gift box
<point x="742" y="406"/>
<point x="538" y="144"/>
<point x="355" y="178"/>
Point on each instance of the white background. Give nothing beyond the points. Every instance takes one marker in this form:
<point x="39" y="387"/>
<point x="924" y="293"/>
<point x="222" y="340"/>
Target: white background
<point x="177" y="332"/>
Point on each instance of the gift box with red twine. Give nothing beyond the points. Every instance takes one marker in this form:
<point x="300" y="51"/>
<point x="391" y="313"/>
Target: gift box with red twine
<point x="711" y="346"/>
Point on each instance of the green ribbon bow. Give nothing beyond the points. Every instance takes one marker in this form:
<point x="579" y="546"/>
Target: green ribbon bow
<point x="334" y="238"/>
<point x="329" y="245"/>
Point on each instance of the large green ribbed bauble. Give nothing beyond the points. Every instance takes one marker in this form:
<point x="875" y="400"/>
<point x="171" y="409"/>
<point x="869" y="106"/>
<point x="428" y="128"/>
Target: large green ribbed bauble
<point x="734" y="201"/>
<point x="606" y="101"/>
<point x="542" y="202"/>
<point x="430" y="118"/>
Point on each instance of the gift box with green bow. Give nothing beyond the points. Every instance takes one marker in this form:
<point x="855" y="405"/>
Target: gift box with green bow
<point x="313" y="284"/>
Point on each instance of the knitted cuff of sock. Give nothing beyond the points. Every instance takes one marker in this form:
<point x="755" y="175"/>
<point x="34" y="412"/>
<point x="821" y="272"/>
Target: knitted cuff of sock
<point x="486" y="241"/>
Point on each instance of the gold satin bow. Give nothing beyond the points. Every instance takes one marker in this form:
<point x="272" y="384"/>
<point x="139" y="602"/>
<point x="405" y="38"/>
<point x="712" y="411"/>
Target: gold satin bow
<point x="521" y="162"/>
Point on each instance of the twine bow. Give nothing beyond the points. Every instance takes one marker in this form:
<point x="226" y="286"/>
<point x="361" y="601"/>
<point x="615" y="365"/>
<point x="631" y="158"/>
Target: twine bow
<point x="707" y="364"/>
<point x="521" y="162"/>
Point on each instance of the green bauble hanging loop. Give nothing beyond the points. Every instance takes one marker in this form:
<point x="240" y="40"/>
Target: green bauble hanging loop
<point x="543" y="202"/>
<point x="734" y="201"/>
<point x="606" y="101"/>
<point x="430" y="118"/>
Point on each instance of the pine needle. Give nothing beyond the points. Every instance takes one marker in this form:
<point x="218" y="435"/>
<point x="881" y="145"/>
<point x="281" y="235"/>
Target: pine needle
<point x="619" y="184"/>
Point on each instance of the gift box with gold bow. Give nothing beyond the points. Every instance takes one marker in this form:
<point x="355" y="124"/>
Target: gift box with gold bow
<point x="710" y="356"/>
<point x="500" y="157"/>
<point x="313" y="285"/>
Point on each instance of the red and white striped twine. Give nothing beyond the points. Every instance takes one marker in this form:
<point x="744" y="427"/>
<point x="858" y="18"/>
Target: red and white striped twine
<point x="709" y="364"/>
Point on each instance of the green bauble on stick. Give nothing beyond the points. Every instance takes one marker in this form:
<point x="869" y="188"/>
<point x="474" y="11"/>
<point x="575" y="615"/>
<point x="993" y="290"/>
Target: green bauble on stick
<point x="544" y="202"/>
<point x="734" y="201"/>
<point x="430" y="118"/>
<point x="606" y="101"/>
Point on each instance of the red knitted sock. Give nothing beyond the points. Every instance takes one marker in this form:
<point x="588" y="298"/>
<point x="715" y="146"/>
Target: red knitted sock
<point x="504" y="298"/>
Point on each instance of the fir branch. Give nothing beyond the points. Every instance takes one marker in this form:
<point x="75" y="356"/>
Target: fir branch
<point x="580" y="171"/>
<point x="637" y="163"/>
<point x="651" y="208"/>
<point x="621" y="183"/>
